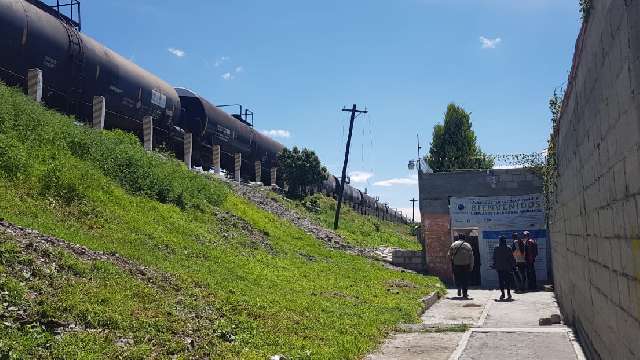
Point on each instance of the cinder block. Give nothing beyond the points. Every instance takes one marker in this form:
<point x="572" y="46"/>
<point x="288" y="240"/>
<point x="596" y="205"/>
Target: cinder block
<point x="620" y="181"/>
<point x="624" y="294"/>
<point x="631" y="226"/>
<point x="614" y="289"/>
<point x="629" y="344"/>
<point x="604" y="251"/>
<point x="634" y="291"/>
<point x="616" y="262"/>
<point x="618" y="219"/>
<point x="607" y="225"/>
<point x="627" y="258"/>
<point x="632" y="169"/>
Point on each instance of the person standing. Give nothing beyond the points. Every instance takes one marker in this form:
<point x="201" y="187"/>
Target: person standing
<point x="503" y="263"/>
<point x="521" y="265"/>
<point x="530" y="254"/>
<point x="461" y="255"/>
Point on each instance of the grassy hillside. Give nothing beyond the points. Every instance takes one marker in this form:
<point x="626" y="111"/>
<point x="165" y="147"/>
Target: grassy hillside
<point x="242" y="283"/>
<point x="355" y="228"/>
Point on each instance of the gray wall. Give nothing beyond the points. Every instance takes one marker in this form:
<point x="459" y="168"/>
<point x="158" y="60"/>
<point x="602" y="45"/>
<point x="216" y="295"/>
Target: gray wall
<point x="435" y="189"/>
<point x="594" y="225"/>
<point x="409" y="259"/>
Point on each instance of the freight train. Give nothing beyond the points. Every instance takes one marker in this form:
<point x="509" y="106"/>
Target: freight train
<point x="75" y="68"/>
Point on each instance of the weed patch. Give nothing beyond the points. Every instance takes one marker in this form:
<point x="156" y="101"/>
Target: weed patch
<point x="247" y="284"/>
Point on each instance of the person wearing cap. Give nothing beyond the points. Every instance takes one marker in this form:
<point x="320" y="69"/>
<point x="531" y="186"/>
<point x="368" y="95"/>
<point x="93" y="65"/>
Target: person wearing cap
<point x="530" y="254"/>
<point x="461" y="255"/>
<point x="517" y="247"/>
<point x="503" y="263"/>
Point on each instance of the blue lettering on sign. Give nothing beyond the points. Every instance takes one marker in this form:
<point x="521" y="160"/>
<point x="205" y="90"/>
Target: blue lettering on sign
<point x="535" y="234"/>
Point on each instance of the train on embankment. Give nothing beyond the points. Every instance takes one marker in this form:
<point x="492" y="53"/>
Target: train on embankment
<point x="75" y="69"/>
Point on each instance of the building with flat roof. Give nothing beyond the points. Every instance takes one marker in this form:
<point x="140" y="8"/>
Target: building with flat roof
<point x="484" y="205"/>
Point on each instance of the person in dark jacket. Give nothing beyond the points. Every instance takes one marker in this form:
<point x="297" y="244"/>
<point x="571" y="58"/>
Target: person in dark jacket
<point x="530" y="254"/>
<point x="503" y="263"/>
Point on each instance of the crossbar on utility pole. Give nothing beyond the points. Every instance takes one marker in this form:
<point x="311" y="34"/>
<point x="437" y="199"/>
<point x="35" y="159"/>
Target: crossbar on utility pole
<point x="354" y="110"/>
<point x="413" y="213"/>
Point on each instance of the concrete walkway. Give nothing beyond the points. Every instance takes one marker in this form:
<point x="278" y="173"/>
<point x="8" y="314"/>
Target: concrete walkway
<point x="496" y="330"/>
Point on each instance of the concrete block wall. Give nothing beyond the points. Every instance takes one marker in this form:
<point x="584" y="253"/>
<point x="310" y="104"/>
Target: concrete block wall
<point x="594" y="225"/>
<point x="409" y="259"/>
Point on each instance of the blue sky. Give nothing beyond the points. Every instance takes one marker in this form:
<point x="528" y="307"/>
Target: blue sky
<point x="297" y="63"/>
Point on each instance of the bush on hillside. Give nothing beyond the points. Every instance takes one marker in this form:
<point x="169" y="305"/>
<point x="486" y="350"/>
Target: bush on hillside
<point x="116" y="154"/>
<point x="13" y="158"/>
<point x="301" y="169"/>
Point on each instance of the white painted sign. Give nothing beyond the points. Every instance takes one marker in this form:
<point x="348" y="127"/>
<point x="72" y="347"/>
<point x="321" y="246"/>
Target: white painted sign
<point x="158" y="98"/>
<point x="502" y="216"/>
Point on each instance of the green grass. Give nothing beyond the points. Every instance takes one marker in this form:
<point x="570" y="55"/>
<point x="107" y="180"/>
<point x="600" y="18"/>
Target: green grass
<point x="234" y="296"/>
<point x="357" y="229"/>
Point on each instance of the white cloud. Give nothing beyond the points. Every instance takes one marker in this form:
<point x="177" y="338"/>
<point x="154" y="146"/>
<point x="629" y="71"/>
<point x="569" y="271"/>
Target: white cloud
<point x="488" y="43"/>
<point x="177" y="52"/>
<point x="360" y="177"/>
<point x="220" y="61"/>
<point x="404" y="181"/>
<point x="227" y="76"/>
<point x="277" y="133"/>
<point x="407" y="212"/>
<point x="239" y="69"/>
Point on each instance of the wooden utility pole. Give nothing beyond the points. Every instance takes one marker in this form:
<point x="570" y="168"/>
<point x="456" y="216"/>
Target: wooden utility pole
<point x="413" y="213"/>
<point x="354" y="110"/>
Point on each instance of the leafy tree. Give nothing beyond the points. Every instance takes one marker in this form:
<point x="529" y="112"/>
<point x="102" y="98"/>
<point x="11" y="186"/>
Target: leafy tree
<point x="454" y="144"/>
<point x="301" y="169"/>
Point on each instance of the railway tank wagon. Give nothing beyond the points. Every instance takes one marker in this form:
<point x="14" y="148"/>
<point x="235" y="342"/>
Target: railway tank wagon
<point x="76" y="68"/>
<point x="211" y="126"/>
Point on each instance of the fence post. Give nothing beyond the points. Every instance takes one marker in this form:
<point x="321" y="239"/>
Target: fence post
<point x="238" y="165"/>
<point x="188" y="144"/>
<point x="147" y="132"/>
<point x="34" y="84"/>
<point x="274" y="174"/>
<point x="258" y="165"/>
<point x="99" y="110"/>
<point x="215" y="156"/>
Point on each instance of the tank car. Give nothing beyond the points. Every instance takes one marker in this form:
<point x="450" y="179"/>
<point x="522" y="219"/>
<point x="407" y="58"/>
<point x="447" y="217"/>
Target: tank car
<point x="356" y="196"/>
<point x="212" y="126"/>
<point x="76" y="68"/>
<point x="329" y="186"/>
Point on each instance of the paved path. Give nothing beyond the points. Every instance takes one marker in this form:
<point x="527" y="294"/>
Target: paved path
<point x="497" y="330"/>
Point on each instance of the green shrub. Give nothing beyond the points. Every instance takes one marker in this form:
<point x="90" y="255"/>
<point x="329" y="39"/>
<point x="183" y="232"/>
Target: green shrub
<point x="13" y="158"/>
<point x="67" y="181"/>
<point x="118" y="155"/>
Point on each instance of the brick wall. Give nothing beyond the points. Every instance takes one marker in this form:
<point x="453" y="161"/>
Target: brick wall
<point x="594" y="227"/>
<point x="437" y="235"/>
